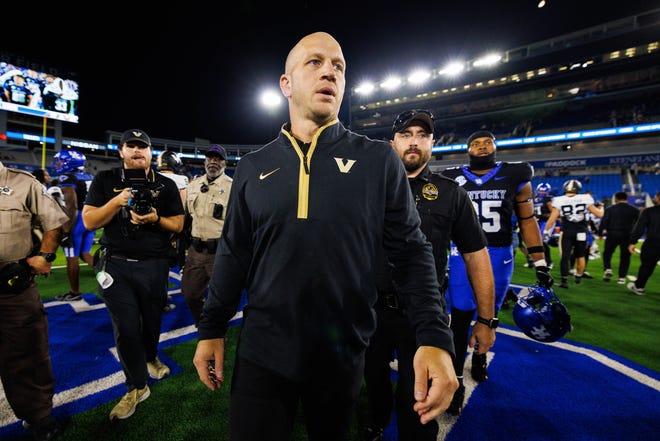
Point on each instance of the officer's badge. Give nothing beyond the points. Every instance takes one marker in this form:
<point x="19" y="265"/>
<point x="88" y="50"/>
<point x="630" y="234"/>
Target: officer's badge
<point x="430" y="192"/>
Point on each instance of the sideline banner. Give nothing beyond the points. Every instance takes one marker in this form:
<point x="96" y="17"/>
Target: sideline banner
<point x="624" y="160"/>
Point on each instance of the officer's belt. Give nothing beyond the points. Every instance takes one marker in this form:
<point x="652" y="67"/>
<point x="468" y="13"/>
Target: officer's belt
<point x="200" y="245"/>
<point x="125" y="257"/>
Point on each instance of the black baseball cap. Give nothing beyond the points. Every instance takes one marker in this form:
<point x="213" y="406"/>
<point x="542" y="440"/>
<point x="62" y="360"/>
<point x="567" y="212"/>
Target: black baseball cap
<point x="135" y="135"/>
<point x="415" y="117"/>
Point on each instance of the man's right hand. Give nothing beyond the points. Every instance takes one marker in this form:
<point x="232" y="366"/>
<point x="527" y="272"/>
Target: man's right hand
<point x="209" y="361"/>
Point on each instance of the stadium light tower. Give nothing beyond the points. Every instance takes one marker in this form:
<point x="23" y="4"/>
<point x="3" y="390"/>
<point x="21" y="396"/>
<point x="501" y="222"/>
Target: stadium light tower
<point x="453" y="69"/>
<point x="419" y="76"/>
<point x="271" y="99"/>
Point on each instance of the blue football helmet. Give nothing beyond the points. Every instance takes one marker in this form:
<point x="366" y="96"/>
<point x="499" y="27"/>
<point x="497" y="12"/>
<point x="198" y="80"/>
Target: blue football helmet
<point x="541" y="315"/>
<point x="543" y="189"/>
<point x="66" y="161"/>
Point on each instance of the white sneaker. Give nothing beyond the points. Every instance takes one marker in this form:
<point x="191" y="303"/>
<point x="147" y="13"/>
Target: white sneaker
<point x="638" y="291"/>
<point x="621" y="281"/>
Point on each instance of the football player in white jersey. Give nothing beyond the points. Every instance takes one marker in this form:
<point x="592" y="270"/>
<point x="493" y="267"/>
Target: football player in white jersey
<point x="572" y="208"/>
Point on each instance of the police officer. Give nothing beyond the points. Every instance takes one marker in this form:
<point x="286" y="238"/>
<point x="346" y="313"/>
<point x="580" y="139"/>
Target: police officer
<point x="25" y="365"/>
<point x="206" y="203"/>
<point x="139" y="211"/>
<point x="447" y="214"/>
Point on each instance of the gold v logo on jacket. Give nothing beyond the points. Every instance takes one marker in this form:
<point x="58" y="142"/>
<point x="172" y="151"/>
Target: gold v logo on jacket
<point x="344" y="164"/>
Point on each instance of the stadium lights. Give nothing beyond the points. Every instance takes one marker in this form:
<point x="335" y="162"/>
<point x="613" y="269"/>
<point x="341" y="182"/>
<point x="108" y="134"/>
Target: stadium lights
<point x="452" y="69"/>
<point x="391" y="83"/>
<point x="419" y="76"/>
<point x="365" y="88"/>
<point x="271" y="99"/>
<point x="487" y="60"/>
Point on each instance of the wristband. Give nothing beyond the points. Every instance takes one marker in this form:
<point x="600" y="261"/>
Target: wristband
<point x="540" y="262"/>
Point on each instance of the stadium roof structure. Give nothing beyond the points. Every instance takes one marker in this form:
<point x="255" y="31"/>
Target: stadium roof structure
<point x="588" y="72"/>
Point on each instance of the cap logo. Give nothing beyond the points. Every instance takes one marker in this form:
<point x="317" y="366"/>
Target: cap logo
<point x="137" y="134"/>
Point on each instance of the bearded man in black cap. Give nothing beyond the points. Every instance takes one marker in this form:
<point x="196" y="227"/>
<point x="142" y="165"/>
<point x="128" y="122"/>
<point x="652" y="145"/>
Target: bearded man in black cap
<point x="447" y="215"/>
<point x="139" y="211"/>
<point x="498" y="191"/>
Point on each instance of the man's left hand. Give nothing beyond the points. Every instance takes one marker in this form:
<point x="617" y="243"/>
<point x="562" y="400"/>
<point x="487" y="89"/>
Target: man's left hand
<point x="435" y="382"/>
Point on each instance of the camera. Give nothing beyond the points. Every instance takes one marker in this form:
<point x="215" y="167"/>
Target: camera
<point x="141" y="200"/>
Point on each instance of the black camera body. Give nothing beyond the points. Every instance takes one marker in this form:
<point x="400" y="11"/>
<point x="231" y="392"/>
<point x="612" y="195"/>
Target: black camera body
<point x="141" y="201"/>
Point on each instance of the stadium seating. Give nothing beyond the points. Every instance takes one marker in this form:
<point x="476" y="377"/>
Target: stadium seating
<point x="602" y="186"/>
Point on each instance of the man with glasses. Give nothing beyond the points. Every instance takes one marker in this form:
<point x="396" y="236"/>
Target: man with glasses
<point x="498" y="190"/>
<point x="205" y="205"/>
<point x="446" y="213"/>
<point x="139" y="210"/>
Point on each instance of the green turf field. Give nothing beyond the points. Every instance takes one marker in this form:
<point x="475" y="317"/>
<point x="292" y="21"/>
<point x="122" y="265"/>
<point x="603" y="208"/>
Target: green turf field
<point x="605" y="315"/>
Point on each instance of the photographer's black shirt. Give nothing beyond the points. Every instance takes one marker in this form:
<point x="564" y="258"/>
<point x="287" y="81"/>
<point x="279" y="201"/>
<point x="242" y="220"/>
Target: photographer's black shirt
<point x="122" y="237"/>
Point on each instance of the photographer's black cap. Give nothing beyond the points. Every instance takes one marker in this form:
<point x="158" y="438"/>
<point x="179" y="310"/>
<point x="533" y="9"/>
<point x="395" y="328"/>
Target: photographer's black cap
<point x="133" y="136"/>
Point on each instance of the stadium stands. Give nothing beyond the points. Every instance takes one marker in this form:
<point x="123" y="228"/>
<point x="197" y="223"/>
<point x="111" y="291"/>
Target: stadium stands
<point x="591" y="80"/>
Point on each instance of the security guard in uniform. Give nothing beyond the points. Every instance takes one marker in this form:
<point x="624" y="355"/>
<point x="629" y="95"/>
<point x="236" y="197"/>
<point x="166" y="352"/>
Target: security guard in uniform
<point x="206" y="204"/>
<point x="25" y="365"/>
<point x="447" y="214"/>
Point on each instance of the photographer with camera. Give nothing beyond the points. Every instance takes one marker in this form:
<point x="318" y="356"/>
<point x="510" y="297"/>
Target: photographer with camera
<point x="206" y="203"/>
<point x="139" y="211"/>
<point x="25" y="366"/>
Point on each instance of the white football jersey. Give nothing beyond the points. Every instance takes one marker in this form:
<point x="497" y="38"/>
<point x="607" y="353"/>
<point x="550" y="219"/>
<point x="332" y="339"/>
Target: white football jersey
<point x="180" y="180"/>
<point x="573" y="208"/>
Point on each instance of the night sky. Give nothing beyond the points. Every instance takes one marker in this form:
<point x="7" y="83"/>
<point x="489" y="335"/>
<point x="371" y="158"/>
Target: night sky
<point x="198" y="73"/>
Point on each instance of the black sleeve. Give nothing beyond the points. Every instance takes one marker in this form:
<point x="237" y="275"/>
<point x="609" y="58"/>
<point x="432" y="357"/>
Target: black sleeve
<point x="639" y="228"/>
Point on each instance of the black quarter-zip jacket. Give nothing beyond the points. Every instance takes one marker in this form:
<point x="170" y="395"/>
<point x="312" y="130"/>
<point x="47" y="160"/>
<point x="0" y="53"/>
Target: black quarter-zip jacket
<point x="301" y="235"/>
